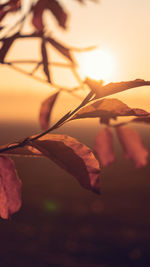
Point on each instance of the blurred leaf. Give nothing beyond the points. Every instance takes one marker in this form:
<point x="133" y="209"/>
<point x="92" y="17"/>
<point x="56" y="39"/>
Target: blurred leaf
<point x="3" y="5"/>
<point x="133" y="146"/>
<point x="106" y="109"/>
<point x="2" y="13"/>
<point x="55" y="8"/>
<point x="46" y="110"/>
<point x="37" y="19"/>
<point x="113" y="88"/>
<point x="45" y="61"/>
<point x="10" y="188"/>
<point x="104" y="147"/>
<point x="14" y="5"/>
<point x="58" y="12"/>
<point x="142" y="119"/>
<point x="10" y="6"/>
<point x="69" y="154"/>
<point x="61" y="48"/>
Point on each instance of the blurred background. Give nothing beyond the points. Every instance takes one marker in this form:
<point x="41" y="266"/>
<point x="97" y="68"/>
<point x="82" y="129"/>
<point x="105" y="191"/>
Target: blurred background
<point x="60" y="223"/>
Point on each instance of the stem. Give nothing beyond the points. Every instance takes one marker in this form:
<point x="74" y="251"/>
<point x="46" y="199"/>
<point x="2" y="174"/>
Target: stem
<point x="58" y="124"/>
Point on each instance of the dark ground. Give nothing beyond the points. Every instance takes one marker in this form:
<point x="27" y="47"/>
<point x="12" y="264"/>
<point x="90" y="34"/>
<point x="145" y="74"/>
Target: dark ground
<point x="61" y="224"/>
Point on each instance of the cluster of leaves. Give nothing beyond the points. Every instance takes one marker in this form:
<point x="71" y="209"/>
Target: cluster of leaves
<point x="65" y="151"/>
<point x="35" y="16"/>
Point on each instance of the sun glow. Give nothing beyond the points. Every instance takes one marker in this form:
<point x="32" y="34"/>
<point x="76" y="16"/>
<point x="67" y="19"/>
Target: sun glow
<point x="98" y="64"/>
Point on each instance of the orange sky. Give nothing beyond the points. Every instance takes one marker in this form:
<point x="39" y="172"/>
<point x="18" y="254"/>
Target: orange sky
<point x="121" y="27"/>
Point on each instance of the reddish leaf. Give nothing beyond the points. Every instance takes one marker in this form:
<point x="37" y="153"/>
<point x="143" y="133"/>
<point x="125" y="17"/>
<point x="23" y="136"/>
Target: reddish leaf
<point x="58" y="12"/>
<point x="37" y="19"/>
<point x="108" y="108"/>
<point x="61" y="48"/>
<point x="45" y="61"/>
<point x="10" y="188"/>
<point x="133" y="146"/>
<point x="142" y="119"/>
<point x="3" y="13"/>
<point x="72" y="156"/>
<point x="10" y="6"/>
<point x="14" y="5"/>
<point x="113" y="88"/>
<point x="104" y="147"/>
<point x="2" y="6"/>
<point x="69" y="154"/>
<point x="56" y="9"/>
<point x="46" y="109"/>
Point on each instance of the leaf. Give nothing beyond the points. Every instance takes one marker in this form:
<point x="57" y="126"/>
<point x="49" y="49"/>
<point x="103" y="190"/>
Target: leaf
<point x="106" y="109"/>
<point x="104" y="147"/>
<point x="10" y="6"/>
<point x="46" y="109"/>
<point x="55" y="8"/>
<point x="58" y="12"/>
<point x="72" y="156"/>
<point x="37" y="19"/>
<point x="133" y="146"/>
<point x="142" y="119"/>
<point x="14" y="5"/>
<point x="113" y="88"/>
<point x="45" y="61"/>
<point x="10" y="188"/>
<point x="61" y="48"/>
<point x="69" y="154"/>
<point x="2" y="13"/>
<point x="2" y="6"/>
<point x="6" y="46"/>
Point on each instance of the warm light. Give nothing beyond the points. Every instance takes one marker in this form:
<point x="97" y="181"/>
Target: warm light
<point x="98" y="64"/>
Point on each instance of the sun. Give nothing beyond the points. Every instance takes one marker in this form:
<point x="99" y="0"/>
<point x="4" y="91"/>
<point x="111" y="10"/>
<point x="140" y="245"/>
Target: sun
<point x="98" y="64"/>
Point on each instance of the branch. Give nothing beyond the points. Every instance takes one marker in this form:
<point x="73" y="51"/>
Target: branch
<point x="59" y="123"/>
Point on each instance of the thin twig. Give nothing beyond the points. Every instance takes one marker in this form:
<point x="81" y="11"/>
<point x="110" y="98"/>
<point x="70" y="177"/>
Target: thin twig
<point x="56" y="64"/>
<point x="84" y="49"/>
<point x="36" y="68"/>
<point x="64" y="119"/>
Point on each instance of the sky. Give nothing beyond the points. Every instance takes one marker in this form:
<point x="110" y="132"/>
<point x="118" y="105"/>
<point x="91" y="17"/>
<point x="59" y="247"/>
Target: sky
<point x="117" y="26"/>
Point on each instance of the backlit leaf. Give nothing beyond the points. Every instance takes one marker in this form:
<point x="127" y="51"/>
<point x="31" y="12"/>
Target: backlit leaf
<point x="69" y="154"/>
<point x="133" y="146"/>
<point x="72" y="156"/>
<point x="10" y="6"/>
<point x="113" y="88"/>
<point x="10" y="188"/>
<point x="142" y="119"/>
<point x="37" y="19"/>
<point x="104" y="147"/>
<point x="46" y="109"/>
<point x="58" y="12"/>
<point x="2" y="13"/>
<point x="55" y="8"/>
<point x="106" y="109"/>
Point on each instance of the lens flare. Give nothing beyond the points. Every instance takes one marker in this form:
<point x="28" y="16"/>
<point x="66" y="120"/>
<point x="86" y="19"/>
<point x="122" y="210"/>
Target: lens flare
<point x="98" y="64"/>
